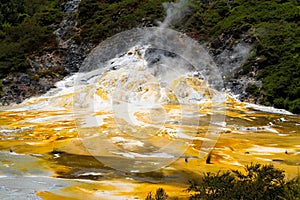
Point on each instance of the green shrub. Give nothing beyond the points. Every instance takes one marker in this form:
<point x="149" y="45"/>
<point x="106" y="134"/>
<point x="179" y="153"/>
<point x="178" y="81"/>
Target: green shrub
<point x="253" y="90"/>
<point x="159" y="195"/>
<point x="25" y="30"/>
<point x="258" y="182"/>
<point x="102" y="19"/>
<point x="292" y="189"/>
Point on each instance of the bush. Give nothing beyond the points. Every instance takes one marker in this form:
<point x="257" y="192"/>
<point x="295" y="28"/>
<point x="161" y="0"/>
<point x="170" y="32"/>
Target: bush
<point x="292" y="189"/>
<point x="102" y="19"/>
<point x="159" y="195"/>
<point x="253" y="90"/>
<point x="258" y="182"/>
<point x="25" y="30"/>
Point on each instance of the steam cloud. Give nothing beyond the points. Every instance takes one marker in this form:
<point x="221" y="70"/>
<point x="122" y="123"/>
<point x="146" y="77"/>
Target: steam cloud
<point x="175" y="12"/>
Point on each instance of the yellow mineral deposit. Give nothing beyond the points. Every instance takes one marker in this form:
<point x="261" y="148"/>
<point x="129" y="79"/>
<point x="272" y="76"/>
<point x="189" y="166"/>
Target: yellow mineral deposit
<point x="44" y="128"/>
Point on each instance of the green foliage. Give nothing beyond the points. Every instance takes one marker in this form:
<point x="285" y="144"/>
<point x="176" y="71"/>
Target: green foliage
<point x="24" y="30"/>
<point x="159" y="195"/>
<point x="253" y="90"/>
<point x="258" y="182"/>
<point x="273" y="26"/>
<point x="1" y="84"/>
<point x="292" y="189"/>
<point x="11" y="13"/>
<point x="102" y="19"/>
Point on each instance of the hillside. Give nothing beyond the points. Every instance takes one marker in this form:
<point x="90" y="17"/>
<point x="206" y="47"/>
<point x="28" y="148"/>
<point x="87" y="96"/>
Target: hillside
<point x="26" y="31"/>
<point x="270" y="70"/>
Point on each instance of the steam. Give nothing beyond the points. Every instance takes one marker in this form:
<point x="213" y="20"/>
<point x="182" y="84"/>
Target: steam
<point x="175" y="13"/>
<point x="230" y="60"/>
<point x="142" y="70"/>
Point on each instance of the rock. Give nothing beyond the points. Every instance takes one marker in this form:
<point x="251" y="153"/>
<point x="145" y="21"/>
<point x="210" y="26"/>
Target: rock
<point x="51" y="65"/>
<point x="230" y="54"/>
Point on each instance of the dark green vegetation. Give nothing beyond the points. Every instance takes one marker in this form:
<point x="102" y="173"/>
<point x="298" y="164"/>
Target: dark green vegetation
<point x="102" y="19"/>
<point x="159" y="195"/>
<point x="258" y="182"/>
<point x="271" y="27"/>
<point x="26" y="28"/>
